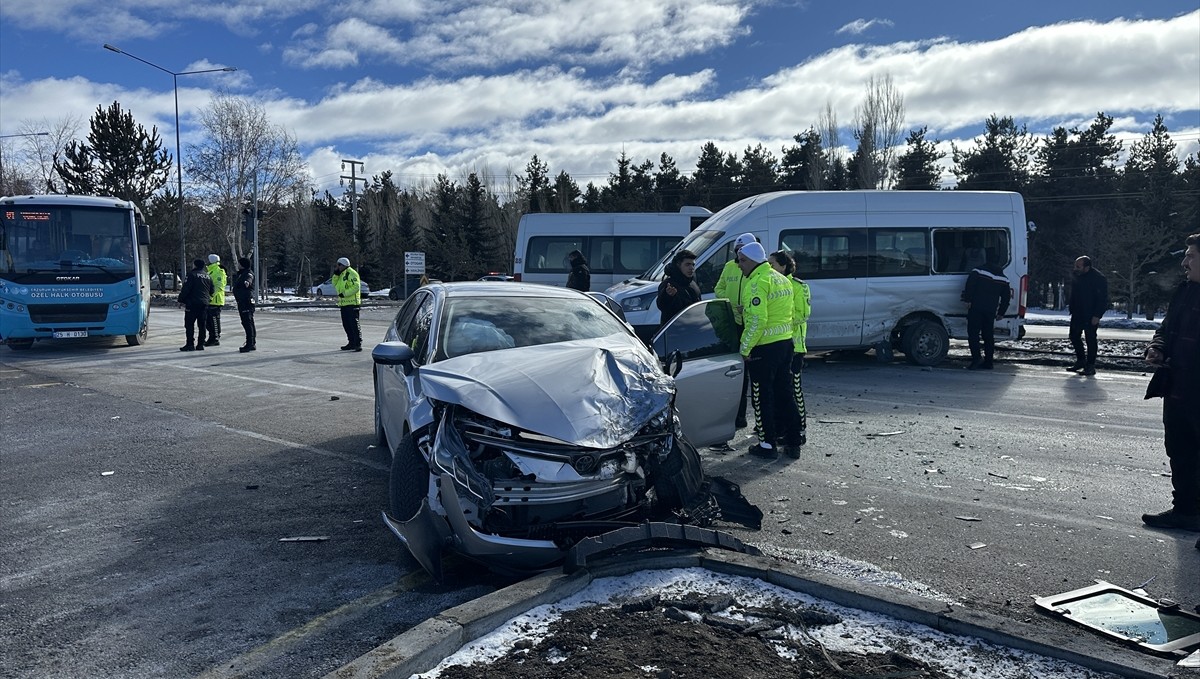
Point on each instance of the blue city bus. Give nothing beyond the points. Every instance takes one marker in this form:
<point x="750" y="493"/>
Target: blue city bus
<point x="72" y="266"/>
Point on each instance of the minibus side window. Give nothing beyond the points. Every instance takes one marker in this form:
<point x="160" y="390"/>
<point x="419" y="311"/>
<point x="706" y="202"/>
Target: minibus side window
<point x="709" y="271"/>
<point x="899" y="252"/>
<point x="548" y="254"/>
<point x="827" y="253"/>
<point x="960" y="250"/>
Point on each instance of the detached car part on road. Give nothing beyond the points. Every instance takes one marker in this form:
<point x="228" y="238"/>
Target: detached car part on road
<point x="524" y="418"/>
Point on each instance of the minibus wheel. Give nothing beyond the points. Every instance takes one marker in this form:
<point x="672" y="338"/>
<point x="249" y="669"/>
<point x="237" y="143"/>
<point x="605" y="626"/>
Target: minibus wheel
<point x="925" y="343"/>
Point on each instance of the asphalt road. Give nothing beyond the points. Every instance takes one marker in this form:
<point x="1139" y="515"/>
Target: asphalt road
<point x="146" y="493"/>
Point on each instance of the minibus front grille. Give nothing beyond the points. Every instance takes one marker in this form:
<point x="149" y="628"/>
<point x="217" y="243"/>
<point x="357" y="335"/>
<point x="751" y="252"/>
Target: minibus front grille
<point x="68" y="313"/>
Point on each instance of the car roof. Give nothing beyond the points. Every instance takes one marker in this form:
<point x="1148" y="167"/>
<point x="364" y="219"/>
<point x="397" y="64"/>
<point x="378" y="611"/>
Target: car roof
<point x="482" y="289"/>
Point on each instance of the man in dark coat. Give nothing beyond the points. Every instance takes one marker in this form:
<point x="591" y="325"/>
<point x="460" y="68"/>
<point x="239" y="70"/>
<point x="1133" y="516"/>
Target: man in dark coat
<point x="679" y="289"/>
<point x="194" y="297"/>
<point x="987" y="295"/>
<point x="1175" y="349"/>
<point x="580" y="277"/>
<point x="1089" y="301"/>
<point x="243" y="293"/>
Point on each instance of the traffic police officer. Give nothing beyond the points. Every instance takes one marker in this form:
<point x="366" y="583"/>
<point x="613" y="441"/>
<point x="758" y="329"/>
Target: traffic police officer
<point x="216" y="302"/>
<point x="347" y="285"/>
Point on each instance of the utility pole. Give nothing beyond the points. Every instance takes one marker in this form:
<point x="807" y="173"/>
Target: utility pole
<point x="354" y="180"/>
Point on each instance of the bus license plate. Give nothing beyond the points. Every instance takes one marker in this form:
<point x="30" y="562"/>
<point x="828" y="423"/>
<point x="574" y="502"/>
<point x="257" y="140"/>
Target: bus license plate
<point x="63" y="334"/>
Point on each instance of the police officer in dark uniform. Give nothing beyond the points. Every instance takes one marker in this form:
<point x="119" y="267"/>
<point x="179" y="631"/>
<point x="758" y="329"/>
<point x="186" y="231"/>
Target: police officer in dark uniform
<point x="243" y="294"/>
<point x="987" y="295"/>
<point x="194" y="296"/>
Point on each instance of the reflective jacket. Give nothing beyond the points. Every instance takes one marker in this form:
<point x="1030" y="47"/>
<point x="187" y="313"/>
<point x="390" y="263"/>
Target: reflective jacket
<point x="768" y="308"/>
<point x="729" y="286"/>
<point x="349" y="288"/>
<point x="217" y="274"/>
<point x="801" y="310"/>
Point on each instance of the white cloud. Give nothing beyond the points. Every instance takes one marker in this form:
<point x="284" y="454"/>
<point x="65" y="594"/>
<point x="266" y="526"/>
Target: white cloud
<point x="860" y="26"/>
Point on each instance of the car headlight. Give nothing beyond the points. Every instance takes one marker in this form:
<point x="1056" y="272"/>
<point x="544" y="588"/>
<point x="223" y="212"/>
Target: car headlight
<point x="639" y="303"/>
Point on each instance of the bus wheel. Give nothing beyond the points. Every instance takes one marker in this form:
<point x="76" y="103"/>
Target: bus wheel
<point x="925" y="343"/>
<point x="20" y="344"/>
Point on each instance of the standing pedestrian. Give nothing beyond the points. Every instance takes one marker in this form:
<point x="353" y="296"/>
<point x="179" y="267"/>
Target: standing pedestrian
<point x="194" y="296"/>
<point x="216" y="302"/>
<point x="243" y="294"/>
<point x="1175" y="349"/>
<point x="679" y="288"/>
<point x="801" y="310"/>
<point x="987" y="295"/>
<point x="349" y="292"/>
<point x="766" y="349"/>
<point x="580" y="277"/>
<point x="1089" y="301"/>
<point x="729" y="286"/>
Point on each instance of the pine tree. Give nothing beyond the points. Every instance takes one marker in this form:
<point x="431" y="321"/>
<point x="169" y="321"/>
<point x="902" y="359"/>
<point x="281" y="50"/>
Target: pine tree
<point x="917" y="168"/>
<point x="120" y="158"/>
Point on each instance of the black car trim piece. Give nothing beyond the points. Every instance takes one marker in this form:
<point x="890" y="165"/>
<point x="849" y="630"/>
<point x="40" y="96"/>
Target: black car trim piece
<point x="651" y="534"/>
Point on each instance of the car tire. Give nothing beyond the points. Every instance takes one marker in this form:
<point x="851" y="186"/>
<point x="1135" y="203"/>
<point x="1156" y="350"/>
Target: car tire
<point x="394" y="294"/>
<point x="925" y="343"/>
<point x="409" y="480"/>
<point x="380" y="435"/>
<point x="319" y="294"/>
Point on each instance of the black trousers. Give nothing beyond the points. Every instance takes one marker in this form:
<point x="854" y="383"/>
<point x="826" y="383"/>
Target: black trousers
<point x="771" y="392"/>
<point x="351" y="326"/>
<point x="194" y="319"/>
<point x="246" y="313"/>
<point x="213" y="322"/>
<point x="1181" y="436"/>
<point x="981" y="335"/>
<point x="1083" y="326"/>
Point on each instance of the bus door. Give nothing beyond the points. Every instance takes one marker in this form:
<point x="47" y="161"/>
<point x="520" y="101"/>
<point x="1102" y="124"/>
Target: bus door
<point x="832" y="259"/>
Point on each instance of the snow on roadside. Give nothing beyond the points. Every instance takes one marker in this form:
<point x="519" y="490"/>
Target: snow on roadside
<point x="1112" y="319"/>
<point x="859" y="631"/>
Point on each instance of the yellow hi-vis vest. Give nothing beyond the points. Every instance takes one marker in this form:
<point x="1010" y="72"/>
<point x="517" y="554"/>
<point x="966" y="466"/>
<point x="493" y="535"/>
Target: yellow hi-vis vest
<point x="217" y="274"/>
<point x="348" y="288"/>
<point x="767" y="308"/>
<point x="802" y="309"/>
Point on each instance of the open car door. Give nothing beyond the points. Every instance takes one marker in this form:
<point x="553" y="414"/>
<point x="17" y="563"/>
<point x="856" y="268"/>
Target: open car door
<point x="699" y="347"/>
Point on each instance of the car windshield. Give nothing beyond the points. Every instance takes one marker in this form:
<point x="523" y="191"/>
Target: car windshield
<point x="475" y="324"/>
<point x="697" y="242"/>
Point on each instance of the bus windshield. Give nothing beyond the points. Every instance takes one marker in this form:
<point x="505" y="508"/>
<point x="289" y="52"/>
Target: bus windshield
<point x="697" y="242"/>
<point x="56" y="238"/>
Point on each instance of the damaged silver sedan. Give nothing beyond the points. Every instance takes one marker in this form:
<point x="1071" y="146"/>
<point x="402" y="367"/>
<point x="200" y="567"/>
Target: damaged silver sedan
<point x="523" y="418"/>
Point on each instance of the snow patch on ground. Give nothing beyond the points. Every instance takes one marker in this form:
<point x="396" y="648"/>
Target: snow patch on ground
<point x="859" y="631"/>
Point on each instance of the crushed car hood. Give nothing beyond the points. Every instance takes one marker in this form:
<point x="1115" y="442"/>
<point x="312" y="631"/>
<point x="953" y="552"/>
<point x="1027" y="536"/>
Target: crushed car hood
<point x="586" y="392"/>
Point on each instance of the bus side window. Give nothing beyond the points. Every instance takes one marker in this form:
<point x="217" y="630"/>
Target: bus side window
<point x="708" y="272"/>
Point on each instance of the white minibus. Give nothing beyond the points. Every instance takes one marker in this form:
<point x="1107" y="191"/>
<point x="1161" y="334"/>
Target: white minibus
<point x="617" y="245"/>
<point x="886" y="268"/>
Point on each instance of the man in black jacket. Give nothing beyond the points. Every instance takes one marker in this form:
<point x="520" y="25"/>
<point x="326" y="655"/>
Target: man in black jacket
<point x="243" y="293"/>
<point x="1089" y="301"/>
<point x="987" y="295"/>
<point x="580" y="277"/>
<point x="1175" y="349"/>
<point x="193" y="297"/>
<point x="679" y="289"/>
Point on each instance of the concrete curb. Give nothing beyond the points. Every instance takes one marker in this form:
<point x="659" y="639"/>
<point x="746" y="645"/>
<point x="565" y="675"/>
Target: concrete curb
<point x="424" y="646"/>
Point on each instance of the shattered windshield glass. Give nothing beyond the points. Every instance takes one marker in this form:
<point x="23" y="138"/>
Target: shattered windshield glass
<point x="476" y="324"/>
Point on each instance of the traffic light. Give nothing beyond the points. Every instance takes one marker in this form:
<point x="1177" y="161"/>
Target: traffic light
<point x="248" y="223"/>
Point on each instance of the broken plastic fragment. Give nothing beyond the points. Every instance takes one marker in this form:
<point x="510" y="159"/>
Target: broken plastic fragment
<point x="977" y="545"/>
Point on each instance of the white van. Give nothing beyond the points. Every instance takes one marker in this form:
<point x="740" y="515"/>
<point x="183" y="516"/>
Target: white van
<point x="886" y="268"/>
<point x="617" y="245"/>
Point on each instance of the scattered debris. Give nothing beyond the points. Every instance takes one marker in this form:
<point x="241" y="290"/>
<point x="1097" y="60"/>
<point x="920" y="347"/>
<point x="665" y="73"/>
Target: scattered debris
<point x="884" y="433"/>
<point x="107" y="473"/>
<point x="306" y="538"/>
<point x="968" y="518"/>
<point x="835" y="422"/>
<point x="999" y="476"/>
<point x="1159" y="627"/>
<point x="977" y="545"/>
<point x="335" y="398"/>
<point x="254" y="487"/>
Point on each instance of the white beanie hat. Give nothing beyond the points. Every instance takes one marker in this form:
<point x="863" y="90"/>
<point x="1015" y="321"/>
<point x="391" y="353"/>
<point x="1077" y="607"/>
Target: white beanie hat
<point x="213" y="259"/>
<point x="744" y="240"/>
<point x="343" y="261"/>
<point x="755" y="252"/>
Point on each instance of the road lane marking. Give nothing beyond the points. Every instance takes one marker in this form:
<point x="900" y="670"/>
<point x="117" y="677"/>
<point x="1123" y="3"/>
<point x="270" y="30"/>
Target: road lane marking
<point x="274" y="383"/>
<point x="312" y="449"/>
<point x="252" y="661"/>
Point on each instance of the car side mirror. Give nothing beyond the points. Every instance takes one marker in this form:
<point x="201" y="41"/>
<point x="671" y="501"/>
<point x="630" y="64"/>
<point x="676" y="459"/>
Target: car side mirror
<point x="393" y="353"/>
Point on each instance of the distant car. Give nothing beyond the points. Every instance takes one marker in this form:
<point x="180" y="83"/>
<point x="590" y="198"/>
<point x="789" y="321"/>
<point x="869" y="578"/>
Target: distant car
<point x="497" y="277"/>
<point x="523" y="418"/>
<point x="326" y="289"/>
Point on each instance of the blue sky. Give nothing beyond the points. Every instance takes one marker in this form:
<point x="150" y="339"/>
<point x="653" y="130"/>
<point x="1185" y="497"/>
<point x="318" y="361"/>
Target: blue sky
<point x="421" y="87"/>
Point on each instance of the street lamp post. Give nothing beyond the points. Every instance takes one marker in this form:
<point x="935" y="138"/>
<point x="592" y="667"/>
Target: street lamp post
<point x="178" y="161"/>
<point x="10" y="136"/>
